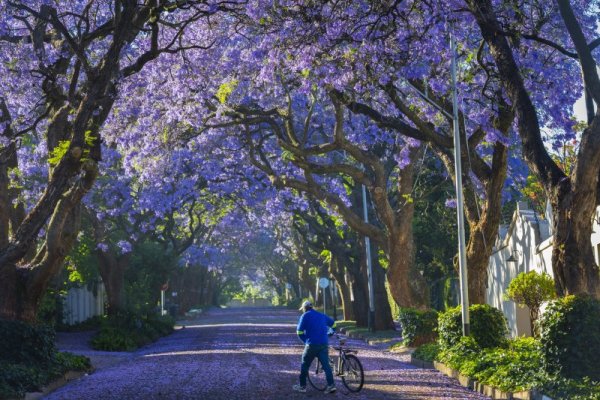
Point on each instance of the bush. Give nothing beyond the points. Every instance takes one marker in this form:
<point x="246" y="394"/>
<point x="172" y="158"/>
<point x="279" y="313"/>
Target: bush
<point x="531" y="289"/>
<point x="24" y="343"/>
<point x="127" y="332"/>
<point x="29" y="359"/>
<point x="512" y="368"/>
<point x="488" y="326"/>
<point x="466" y="349"/>
<point x="89" y="324"/>
<point x="515" y="368"/>
<point x="427" y="352"/>
<point x="570" y="337"/>
<point x="418" y="327"/>
<point x="294" y="304"/>
<point x="572" y="389"/>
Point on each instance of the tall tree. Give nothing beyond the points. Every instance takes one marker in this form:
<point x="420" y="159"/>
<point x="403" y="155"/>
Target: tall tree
<point x="561" y="32"/>
<point x="68" y="62"/>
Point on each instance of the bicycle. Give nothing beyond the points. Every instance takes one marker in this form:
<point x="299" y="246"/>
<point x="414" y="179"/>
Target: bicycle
<point x="347" y="366"/>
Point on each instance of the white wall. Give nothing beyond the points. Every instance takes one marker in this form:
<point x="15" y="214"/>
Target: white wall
<point x="528" y="241"/>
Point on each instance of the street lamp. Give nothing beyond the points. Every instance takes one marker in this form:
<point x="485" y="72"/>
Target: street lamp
<point x="462" y="259"/>
<point x="371" y="319"/>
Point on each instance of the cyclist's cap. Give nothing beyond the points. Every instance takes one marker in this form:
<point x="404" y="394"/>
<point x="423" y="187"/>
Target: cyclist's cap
<point x="305" y="305"/>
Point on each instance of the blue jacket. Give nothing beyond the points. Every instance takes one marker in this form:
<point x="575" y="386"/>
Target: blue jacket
<point x="313" y="327"/>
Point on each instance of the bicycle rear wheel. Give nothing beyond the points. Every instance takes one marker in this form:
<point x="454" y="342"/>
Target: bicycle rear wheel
<point x="316" y="375"/>
<point x="353" y="375"/>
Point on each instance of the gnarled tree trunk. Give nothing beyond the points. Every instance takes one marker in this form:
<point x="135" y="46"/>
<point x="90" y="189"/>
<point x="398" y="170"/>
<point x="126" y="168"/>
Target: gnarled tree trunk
<point x="574" y="196"/>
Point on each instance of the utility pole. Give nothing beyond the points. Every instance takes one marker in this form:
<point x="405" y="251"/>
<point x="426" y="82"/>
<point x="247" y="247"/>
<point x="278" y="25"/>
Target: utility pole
<point x="462" y="259"/>
<point x="371" y="320"/>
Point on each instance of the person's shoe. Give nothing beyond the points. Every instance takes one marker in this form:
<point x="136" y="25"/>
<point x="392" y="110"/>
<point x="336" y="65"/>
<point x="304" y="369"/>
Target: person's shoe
<point x="330" y="389"/>
<point x="298" y="388"/>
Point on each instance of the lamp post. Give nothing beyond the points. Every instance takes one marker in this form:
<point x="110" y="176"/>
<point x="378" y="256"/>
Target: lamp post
<point x="462" y="259"/>
<point x="371" y="320"/>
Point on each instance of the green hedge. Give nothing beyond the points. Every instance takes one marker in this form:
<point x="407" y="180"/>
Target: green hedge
<point x="29" y="359"/>
<point x="570" y="337"/>
<point x="127" y="332"/>
<point x="26" y="343"/>
<point x="427" y="352"/>
<point x="516" y="367"/>
<point x="488" y="326"/>
<point x="418" y="327"/>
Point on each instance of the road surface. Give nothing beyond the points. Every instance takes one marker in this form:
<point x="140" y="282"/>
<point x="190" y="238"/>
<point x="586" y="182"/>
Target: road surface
<point x="241" y="353"/>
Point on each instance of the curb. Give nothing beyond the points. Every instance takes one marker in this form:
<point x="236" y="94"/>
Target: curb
<point x="420" y="363"/>
<point x="493" y="392"/>
<point x="354" y="335"/>
<point x="52" y="386"/>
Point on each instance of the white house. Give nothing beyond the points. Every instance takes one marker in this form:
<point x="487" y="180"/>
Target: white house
<point x="525" y="245"/>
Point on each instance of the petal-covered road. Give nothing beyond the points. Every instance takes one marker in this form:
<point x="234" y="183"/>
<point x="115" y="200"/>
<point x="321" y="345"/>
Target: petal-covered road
<point x="247" y="353"/>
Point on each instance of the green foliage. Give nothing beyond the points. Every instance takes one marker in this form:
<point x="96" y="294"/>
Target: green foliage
<point x="50" y="310"/>
<point x="89" y="324"/>
<point x="394" y="308"/>
<point x="531" y="289"/>
<point x="572" y="389"/>
<point x="294" y="304"/>
<point x="570" y="337"/>
<point x="512" y="368"/>
<point x="225" y="90"/>
<point x="435" y="232"/>
<point x="25" y="343"/>
<point x="127" y="331"/>
<point x="427" y="352"/>
<point x="61" y="149"/>
<point x="72" y="362"/>
<point x="488" y="326"/>
<point x="148" y="269"/>
<point x="418" y="326"/>
<point x="29" y="359"/>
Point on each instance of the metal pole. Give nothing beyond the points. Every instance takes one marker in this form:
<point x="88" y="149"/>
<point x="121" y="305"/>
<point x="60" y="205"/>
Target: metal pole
<point x="324" y="301"/>
<point x="334" y="300"/>
<point x="371" y="321"/>
<point x="462" y="259"/>
<point x="162" y="302"/>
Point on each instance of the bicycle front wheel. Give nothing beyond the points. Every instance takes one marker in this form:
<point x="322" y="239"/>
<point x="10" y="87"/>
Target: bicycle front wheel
<point x="316" y="375"/>
<point x="353" y="375"/>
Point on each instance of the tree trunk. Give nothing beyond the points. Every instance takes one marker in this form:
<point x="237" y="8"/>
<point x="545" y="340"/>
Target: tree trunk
<point x="340" y="279"/>
<point x="407" y="287"/>
<point x="112" y="270"/>
<point x="383" y="312"/>
<point x="23" y="287"/>
<point x="573" y="263"/>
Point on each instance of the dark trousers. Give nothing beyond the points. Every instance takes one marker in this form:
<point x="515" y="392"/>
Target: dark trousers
<point x="320" y="351"/>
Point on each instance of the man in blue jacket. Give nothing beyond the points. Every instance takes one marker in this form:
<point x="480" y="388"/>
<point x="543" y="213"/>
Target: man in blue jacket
<point x="312" y="330"/>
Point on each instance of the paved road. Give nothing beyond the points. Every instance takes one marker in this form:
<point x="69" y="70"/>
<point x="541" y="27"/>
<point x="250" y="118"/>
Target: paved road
<point x="233" y="354"/>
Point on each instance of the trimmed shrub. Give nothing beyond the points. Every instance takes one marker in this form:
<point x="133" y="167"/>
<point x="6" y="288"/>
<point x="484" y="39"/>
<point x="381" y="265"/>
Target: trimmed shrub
<point x="418" y="327"/>
<point x="24" y="343"/>
<point x="488" y="326"/>
<point x="570" y="337"/>
<point x="464" y="350"/>
<point x="427" y="352"/>
<point x="127" y="332"/>
<point x="531" y="289"/>
<point x="29" y="359"/>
